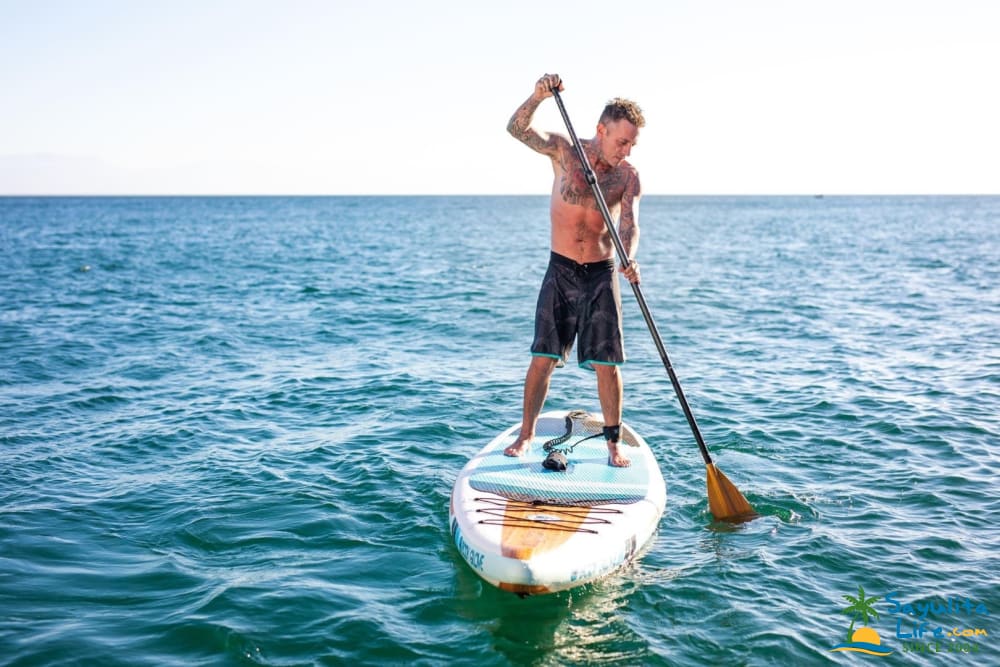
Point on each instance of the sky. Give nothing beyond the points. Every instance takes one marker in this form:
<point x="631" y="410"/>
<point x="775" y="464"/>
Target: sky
<point x="413" y="96"/>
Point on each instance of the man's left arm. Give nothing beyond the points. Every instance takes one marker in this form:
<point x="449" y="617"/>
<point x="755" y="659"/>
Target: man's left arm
<point x="628" y="225"/>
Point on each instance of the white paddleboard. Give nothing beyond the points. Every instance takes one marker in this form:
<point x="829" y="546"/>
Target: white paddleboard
<point x="530" y="530"/>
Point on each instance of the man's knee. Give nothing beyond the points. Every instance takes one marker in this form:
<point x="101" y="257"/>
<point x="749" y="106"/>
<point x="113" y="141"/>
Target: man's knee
<point x="543" y="364"/>
<point x="606" y="371"/>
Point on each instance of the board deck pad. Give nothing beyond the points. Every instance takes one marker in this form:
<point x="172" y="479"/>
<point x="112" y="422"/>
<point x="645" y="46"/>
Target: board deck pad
<point x="588" y="479"/>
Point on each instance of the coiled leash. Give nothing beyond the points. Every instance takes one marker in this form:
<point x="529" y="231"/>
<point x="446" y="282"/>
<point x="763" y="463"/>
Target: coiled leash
<point x="556" y="459"/>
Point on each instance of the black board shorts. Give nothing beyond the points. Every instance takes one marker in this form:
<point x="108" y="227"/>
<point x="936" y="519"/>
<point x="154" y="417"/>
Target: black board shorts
<point x="579" y="302"/>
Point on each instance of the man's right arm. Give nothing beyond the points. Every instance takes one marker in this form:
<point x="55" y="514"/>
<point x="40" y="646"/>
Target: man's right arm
<point x="520" y="127"/>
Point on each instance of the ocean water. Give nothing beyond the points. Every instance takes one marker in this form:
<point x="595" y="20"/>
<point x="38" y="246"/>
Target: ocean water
<point x="229" y="428"/>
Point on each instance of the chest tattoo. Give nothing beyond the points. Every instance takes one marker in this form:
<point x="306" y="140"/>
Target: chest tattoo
<point x="575" y="189"/>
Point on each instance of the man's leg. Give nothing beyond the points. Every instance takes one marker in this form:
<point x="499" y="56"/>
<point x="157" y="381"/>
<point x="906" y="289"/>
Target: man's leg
<point x="609" y="390"/>
<point x="536" y="388"/>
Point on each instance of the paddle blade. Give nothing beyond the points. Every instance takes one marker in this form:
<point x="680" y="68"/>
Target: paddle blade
<point x="725" y="501"/>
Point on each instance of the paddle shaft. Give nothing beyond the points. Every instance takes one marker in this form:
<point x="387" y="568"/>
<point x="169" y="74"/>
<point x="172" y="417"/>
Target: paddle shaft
<point x="623" y="257"/>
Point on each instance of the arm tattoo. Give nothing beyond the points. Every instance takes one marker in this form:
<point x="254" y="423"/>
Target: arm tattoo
<point x="628" y="223"/>
<point x="519" y="126"/>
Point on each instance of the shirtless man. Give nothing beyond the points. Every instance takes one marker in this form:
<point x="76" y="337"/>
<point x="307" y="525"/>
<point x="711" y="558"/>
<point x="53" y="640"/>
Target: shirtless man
<point x="580" y="297"/>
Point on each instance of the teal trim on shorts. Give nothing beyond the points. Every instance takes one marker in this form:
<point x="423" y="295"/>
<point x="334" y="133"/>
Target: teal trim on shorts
<point x="590" y="363"/>
<point x="559" y="360"/>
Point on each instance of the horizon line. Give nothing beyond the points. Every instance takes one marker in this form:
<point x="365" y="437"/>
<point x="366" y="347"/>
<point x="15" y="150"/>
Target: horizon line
<point x="816" y="195"/>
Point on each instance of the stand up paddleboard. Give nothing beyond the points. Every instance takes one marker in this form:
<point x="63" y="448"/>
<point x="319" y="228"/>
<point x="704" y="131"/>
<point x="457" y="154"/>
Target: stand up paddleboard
<point x="528" y="529"/>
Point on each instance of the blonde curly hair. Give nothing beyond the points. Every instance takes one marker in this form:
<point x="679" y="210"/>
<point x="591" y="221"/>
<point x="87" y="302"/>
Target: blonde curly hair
<point x="619" y="108"/>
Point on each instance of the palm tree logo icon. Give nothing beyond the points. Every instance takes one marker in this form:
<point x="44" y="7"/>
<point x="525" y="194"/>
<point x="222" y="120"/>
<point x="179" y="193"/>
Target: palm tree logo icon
<point x="861" y="607"/>
<point x="864" y="639"/>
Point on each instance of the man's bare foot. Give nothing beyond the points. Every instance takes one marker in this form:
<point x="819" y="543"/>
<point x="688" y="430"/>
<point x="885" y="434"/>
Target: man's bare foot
<point x="519" y="448"/>
<point x="615" y="457"/>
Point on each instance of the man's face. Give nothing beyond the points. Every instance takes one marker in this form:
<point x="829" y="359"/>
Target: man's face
<point x="617" y="139"/>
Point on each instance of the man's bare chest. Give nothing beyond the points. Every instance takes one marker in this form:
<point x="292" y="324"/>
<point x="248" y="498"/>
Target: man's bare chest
<point x="574" y="188"/>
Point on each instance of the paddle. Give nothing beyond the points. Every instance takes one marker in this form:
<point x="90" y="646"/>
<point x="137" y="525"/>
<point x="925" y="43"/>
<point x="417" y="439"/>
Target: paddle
<point x="724" y="500"/>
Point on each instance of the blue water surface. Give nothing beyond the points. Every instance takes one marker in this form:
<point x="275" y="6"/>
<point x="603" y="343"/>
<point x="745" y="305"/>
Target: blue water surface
<point x="229" y="428"/>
